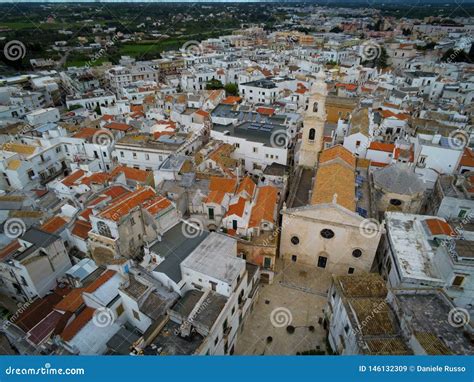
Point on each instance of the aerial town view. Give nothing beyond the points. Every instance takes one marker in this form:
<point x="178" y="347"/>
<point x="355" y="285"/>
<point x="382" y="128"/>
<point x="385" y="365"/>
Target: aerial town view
<point x="232" y="178"/>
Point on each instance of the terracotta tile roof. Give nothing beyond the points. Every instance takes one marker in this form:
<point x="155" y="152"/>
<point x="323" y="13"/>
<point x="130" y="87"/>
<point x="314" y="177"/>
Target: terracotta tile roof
<point x="264" y="208"/>
<point x="71" y="179"/>
<point x="19" y="148"/>
<point x="265" y="110"/>
<point x="381" y="146"/>
<point x="388" y="114"/>
<point x="81" y="229"/>
<point x="399" y="151"/>
<point x="467" y="158"/>
<point x="247" y="185"/>
<point x="118" y="126"/>
<point x="14" y="164"/>
<point x="335" y="178"/>
<point x="107" y="117"/>
<point x="202" y="113"/>
<point x="215" y="197"/>
<point x="54" y="224"/>
<point x="136" y="108"/>
<point x="378" y="164"/>
<point x="86" y="132"/>
<point x="77" y="324"/>
<point x="231" y="100"/>
<point x="96" y="178"/>
<point x="337" y="151"/>
<point x="9" y="249"/>
<point x="439" y="227"/>
<point x="349" y="87"/>
<point x="73" y="300"/>
<point x="131" y="173"/>
<point x="29" y="317"/>
<point x="155" y="205"/>
<point x="237" y="208"/>
<point x="124" y="205"/>
<point x="222" y="184"/>
<point x="115" y="192"/>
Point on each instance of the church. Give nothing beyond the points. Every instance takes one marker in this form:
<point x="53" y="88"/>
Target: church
<point x="327" y="218"/>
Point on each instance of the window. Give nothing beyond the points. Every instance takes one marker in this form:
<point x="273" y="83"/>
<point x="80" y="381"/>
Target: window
<point x="315" y="107"/>
<point x="295" y="240"/>
<point x="132" y="221"/>
<point x="104" y="229"/>
<point x="234" y="224"/>
<point x="357" y="253"/>
<point x="237" y="145"/>
<point x="422" y="159"/>
<point x="121" y="154"/>
<point x="327" y="233"/>
<point x="216" y="341"/>
<point x="31" y="174"/>
<point x="458" y="280"/>
<point x="147" y="156"/>
<point x="134" y="155"/>
<point x="213" y="285"/>
<point x="312" y="134"/>
<point x="255" y="150"/>
<point x="58" y="149"/>
<point x="267" y="262"/>
<point x="357" y="143"/>
<point x="136" y="315"/>
<point x="395" y="202"/>
<point x="322" y="261"/>
<point x="294" y="258"/>
<point x="350" y="271"/>
<point x="211" y="213"/>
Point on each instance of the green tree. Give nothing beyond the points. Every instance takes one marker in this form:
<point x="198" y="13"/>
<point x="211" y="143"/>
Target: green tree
<point x="232" y="89"/>
<point x="214" y="84"/>
<point x="381" y="60"/>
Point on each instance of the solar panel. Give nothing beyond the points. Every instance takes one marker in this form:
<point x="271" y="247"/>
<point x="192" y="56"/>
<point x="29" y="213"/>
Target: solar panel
<point x="359" y="179"/>
<point x="359" y="194"/>
<point x="254" y="127"/>
<point x="362" y="212"/>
